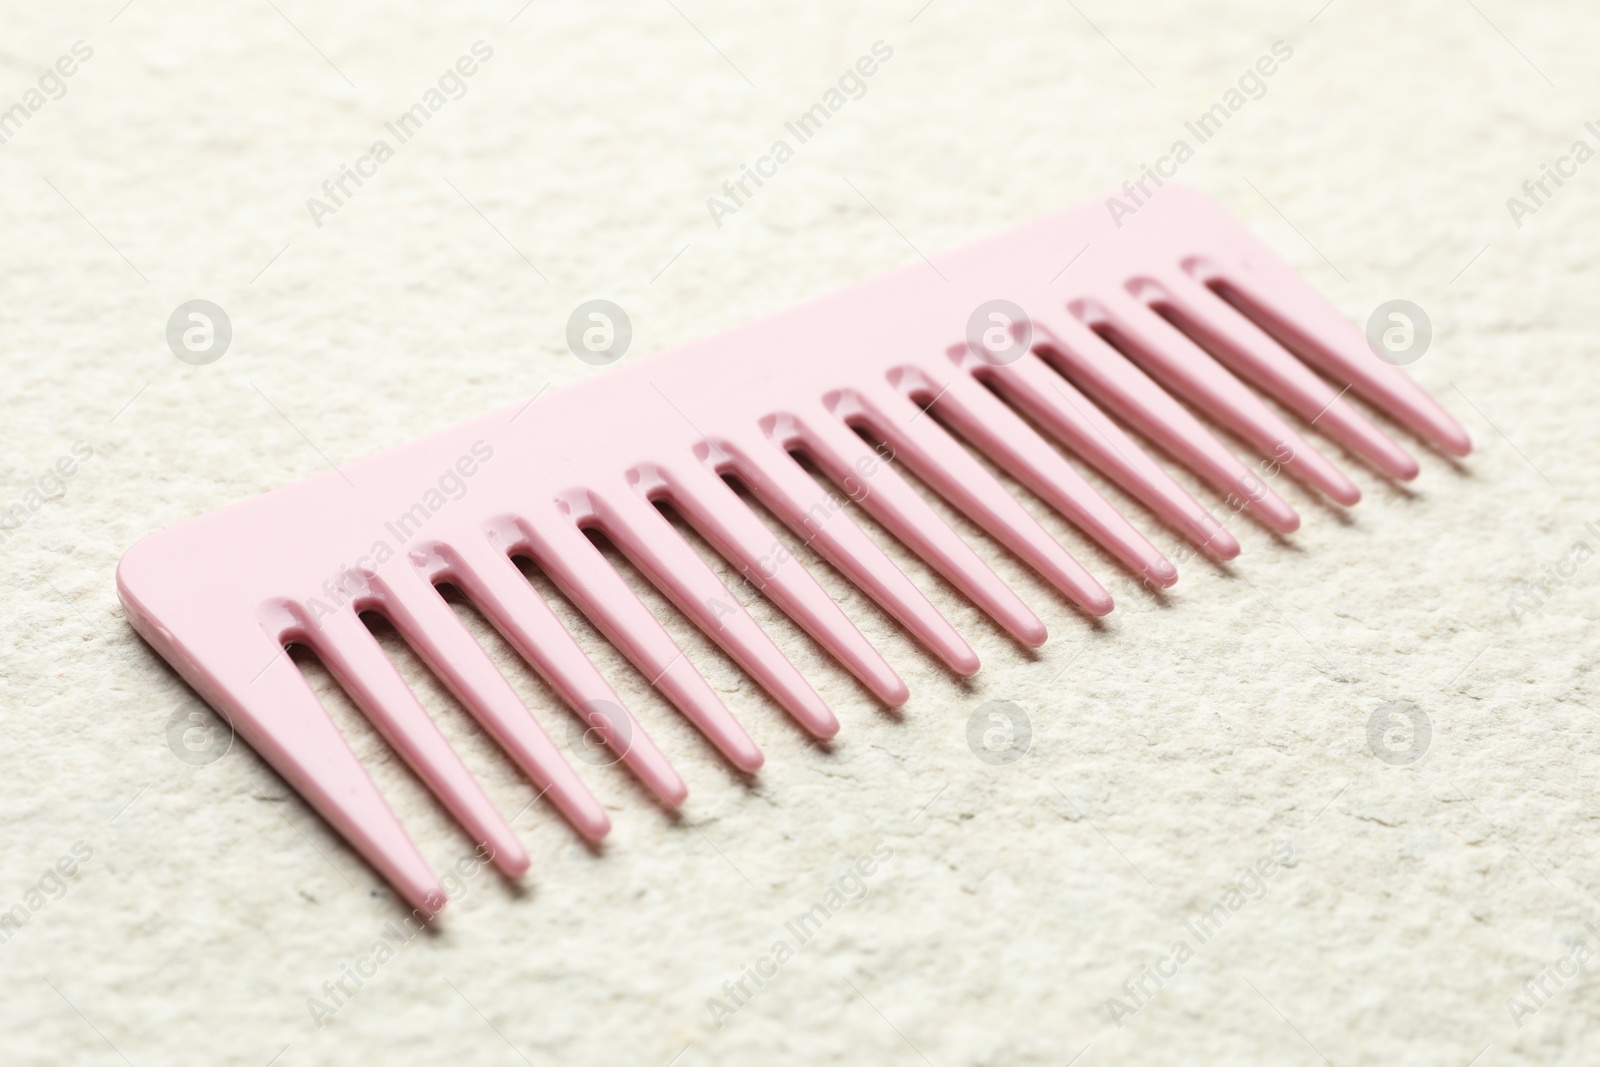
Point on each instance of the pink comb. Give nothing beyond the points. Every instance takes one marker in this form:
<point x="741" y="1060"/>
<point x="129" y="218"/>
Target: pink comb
<point x="1179" y="296"/>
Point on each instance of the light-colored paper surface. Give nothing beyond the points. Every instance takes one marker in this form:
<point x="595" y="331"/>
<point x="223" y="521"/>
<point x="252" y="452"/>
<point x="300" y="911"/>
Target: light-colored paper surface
<point x="1172" y="745"/>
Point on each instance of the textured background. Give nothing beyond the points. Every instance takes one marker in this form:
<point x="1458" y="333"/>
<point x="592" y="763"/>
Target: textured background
<point x="1172" y="744"/>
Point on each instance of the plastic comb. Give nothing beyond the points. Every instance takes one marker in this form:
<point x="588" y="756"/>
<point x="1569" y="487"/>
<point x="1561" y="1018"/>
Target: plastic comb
<point x="1176" y="309"/>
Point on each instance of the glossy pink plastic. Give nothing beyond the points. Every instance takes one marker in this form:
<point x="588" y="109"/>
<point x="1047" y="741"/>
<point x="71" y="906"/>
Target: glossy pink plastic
<point x="1136" y="313"/>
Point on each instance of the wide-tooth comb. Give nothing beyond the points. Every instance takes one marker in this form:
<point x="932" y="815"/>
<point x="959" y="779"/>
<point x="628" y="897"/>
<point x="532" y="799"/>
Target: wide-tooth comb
<point x="1180" y="295"/>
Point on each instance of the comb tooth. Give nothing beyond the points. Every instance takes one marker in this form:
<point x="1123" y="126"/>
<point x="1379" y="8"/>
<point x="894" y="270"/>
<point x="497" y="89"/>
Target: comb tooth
<point x="354" y="658"/>
<point x="282" y="719"/>
<point x="650" y="542"/>
<point x="1056" y="403"/>
<point x="586" y="579"/>
<point x="890" y="500"/>
<point x="1111" y="380"/>
<point x="997" y="432"/>
<point x="1327" y="340"/>
<point x="796" y="499"/>
<point x="1189" y="371"/>
<point x="945" y="465"/>
<point x="434" y="629"/>
<point x="744" y="540"/>
<point x="497" y="588"/>
<point x="1254" y="355"/>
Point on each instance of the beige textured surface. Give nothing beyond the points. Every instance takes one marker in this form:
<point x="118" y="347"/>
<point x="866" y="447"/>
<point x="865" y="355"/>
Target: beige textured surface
<point x="1173" y="745"/>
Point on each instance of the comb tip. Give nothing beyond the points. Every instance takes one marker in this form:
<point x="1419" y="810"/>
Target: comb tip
<point x="894" y="694"/>
<point x="1162" y="573"/>
<point x="673" y="791"/>
<point x="593" y="823"/>
<point x="1345" y="493"/>
<point x="1275" y="514"/>
<point x="428" y="899"/>
<point x="744" y="755"/>
<point x="1099" y="604"/>
<point x="511" y="863"/>
<point x="510" y="858"/>
<point x="1221" y="545"/>
<point x="965" y="662"/>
